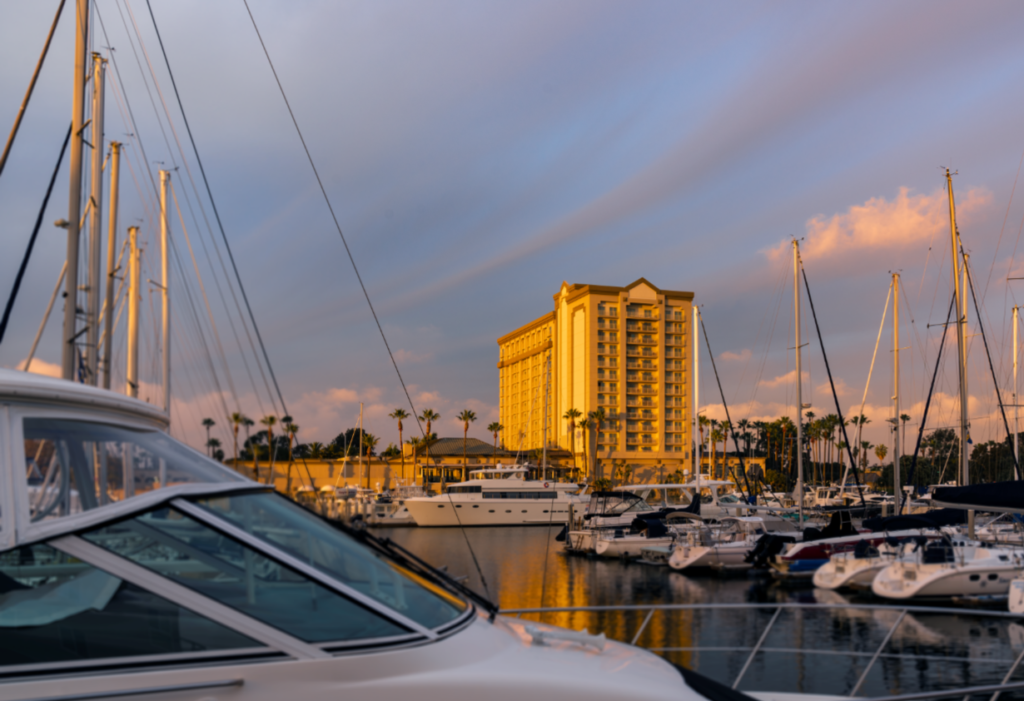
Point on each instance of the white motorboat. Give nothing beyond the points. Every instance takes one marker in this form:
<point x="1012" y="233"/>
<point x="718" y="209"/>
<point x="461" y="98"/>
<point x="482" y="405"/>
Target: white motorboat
<point x="854" y="569"/>
<point x="723" y="547"/>
<point x="172" y="575"/>
<point x="948" y="568"/>
<point x="498" y="496"/>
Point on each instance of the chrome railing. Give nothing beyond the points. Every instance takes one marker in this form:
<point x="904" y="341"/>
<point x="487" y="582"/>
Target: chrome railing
<point x="894" y="664"/>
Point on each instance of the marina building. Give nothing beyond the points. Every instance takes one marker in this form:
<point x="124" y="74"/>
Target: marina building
<point x="624" y="351"/>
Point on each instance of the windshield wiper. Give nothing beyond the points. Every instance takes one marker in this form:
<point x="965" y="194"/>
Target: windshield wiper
<point x="414" y="563"/>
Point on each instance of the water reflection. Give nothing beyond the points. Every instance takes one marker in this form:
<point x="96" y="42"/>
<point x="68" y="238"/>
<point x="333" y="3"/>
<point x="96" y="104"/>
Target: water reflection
<point x="819" y="650"/>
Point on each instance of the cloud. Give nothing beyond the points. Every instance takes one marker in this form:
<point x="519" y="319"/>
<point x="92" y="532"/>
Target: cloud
<point x="908" y="221"/>
<point x="782" y="380"/>
<point x="842" y="389"/>
<point x="743" y="355"/>
<point x="404" y="356"/>
<point x="41" y="367"/>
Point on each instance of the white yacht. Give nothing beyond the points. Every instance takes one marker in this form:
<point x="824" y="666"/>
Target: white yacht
<point x="134" y="566"/>
<point x="498" y="496"/>
<point x="948" y="568"/>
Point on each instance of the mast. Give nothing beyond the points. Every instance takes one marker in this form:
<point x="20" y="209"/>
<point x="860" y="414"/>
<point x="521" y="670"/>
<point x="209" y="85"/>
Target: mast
<point x="544" y="428"/>
<point x="165" y="179"/>
<point x="696" y="394"/>
<point x="897" y="483"/>
<point x="1016" y="404"/>
<point x="92" y="319"/>
<point x="799" y="395"/>
<point x="108" y="299"/>
<point x="132" y="370"/>
<point x="361" y="441"/>
<point x="75" y="191"/>
<point x="961" y="304"/>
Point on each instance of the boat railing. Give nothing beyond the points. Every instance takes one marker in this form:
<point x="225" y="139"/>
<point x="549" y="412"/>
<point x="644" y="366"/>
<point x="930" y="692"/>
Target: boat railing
<point x="875" y="668"/>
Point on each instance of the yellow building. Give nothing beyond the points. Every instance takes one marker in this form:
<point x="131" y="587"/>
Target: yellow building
<point x="626" y="350"/>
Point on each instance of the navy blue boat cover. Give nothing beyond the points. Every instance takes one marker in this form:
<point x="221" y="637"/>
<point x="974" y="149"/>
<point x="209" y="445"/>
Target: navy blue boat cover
<point x="997" y="496"/>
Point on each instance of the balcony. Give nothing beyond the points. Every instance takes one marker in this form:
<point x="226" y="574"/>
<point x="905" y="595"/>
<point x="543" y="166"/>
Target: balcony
<point x="672" y="353"/>
<point x="609" y="324"/>
<point x="642" y="313"/>
<point x="607" y="362"/>
<point x="675" y="401"/>
<point x="645" y="352"/>
<point x="608" y="399"/>
<point x="607" y="311"/>
<point x="675" y="316"/>
<point x="675" y="340"/>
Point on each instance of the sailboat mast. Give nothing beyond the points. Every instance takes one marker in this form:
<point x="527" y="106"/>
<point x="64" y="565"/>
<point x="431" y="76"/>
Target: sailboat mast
<point x="961" y="304"/>
<point x="696" y="398"/>
<point x="1016" y="404"/>
<point x="165" y="280"/>
<point x="896" y="481"/>
<point x="109" y="301"/>
<point x="799" y="395"/>
<point x="92" y="334"/>
<point x="134" y="294"/>
<point x="75" y="191"/>
<point x="544" y="428"/>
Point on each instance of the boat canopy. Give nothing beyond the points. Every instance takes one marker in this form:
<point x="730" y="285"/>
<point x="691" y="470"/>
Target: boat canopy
<point x="994" y="496"/>
<point x="933" y="519"/>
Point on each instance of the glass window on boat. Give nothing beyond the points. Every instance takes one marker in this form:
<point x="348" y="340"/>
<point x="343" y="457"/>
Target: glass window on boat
<point x="309" y="538"/>
<point x="55" y="608"/>
<point x="73" y="466"/>
<point x="463" y="490"/>
<point x="521" y="495"/>
<point x="171" y="544"/>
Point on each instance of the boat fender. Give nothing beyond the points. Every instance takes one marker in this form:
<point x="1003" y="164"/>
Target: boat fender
<point x="545" y="485"/>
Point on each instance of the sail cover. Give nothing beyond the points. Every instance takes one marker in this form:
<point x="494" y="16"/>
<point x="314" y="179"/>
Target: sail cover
<point x="995" y="496"/>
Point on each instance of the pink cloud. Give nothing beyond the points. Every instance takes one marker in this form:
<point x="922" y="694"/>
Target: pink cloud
<point x="907" y="221"/>
<point x="730" y="356"/>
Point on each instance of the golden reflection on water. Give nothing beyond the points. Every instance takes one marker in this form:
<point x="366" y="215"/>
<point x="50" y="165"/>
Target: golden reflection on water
<point x="527" y="568"/>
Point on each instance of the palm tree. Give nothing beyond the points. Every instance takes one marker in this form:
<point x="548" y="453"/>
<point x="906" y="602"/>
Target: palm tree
<point x="495" y="428"/>
<point x="269" y="422"/>
<point x="904" y="418"/>
<point x="466" y="417"/>
<point x="428" y="416"/>
<point x="237" y="419"/>
<point x="291" y="429"/>
<point x="571" y="415"/>
<point x="716" y="435"/>
<point x="584" y="425"/>
<point x="880" y="452"/>
<point x="249" y="423"/>
<point x="370" y="442"/>
<point x="597" y="419"/>
<point x="209" y="423"/>
<point x="211" y="444"/>
<point x="316" y="450"/>
<point x="399" y="414"/>
<point x="702" y="421"/>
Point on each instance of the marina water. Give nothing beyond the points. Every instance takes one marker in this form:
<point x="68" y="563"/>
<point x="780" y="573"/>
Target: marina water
<point x="821" y="650"/>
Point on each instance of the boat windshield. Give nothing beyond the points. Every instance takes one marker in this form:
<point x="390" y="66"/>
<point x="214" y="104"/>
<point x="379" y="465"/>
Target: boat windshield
<point x="300" y="533"/>
<point x="73" y="466"/>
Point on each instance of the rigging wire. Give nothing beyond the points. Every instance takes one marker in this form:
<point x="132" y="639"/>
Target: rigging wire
<point x="32" y="240"/>
<point x="216" y="213"/>
<point x="29" y="91"/>
<point x="348" y="251"/>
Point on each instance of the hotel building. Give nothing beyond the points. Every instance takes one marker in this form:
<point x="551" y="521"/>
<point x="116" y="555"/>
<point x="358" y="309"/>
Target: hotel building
<point x="626" y="350"/>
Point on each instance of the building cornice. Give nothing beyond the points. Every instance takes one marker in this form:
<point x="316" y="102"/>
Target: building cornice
<point x="523" y="356"/>
<point x="550" y="316"/>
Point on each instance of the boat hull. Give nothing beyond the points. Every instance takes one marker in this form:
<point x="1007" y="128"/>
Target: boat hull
<point x="900" y="582"/>
<point x="433" y="512"/>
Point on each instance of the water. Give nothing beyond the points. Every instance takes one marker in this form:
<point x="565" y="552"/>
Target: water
<point x="805" y="650"/>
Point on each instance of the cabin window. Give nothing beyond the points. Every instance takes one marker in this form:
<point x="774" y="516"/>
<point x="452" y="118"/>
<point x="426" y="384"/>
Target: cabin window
<point x="463" y="490"/>
<point x="55" y="608"/>
<point x="187" y="552"/>
<point x="298" y="532"/>
<point x="73" y="466"/>
<point x="521" y="495"/>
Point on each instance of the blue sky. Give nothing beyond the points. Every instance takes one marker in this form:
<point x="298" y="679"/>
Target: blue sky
<point x="478" y="154"/>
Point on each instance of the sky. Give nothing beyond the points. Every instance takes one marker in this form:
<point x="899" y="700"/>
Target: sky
<point x="477" y="154"/>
